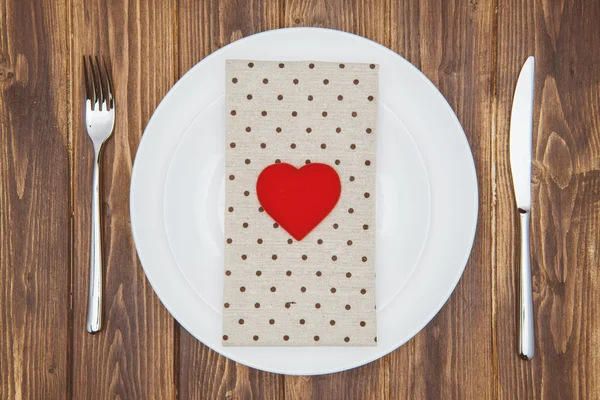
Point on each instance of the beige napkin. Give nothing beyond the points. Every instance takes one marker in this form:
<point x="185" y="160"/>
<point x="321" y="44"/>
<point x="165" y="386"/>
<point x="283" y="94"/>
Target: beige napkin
<point x="320" y="290"/>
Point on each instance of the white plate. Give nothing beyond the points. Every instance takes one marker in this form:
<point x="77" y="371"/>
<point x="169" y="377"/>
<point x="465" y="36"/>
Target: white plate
<point x="426" y="198"/>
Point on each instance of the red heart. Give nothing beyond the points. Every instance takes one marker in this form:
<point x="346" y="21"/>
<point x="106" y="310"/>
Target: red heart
<point x="298" y="199"/>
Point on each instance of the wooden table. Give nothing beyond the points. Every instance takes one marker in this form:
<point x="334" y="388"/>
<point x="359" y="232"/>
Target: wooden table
<point x="472" y="51"/>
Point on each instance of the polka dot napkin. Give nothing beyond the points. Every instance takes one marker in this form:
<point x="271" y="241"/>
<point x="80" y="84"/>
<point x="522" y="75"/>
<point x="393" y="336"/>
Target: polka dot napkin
<point x="300" y="204"/>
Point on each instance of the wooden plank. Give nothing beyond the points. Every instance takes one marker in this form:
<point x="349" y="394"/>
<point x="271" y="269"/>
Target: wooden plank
<point x="133" y="355"/>
<point x="565" y="212"/>
<point x="369" y="19"/>
<point x="203" y="28"/>
<point x="34" y="199"/>
<point x="452" y="43"/>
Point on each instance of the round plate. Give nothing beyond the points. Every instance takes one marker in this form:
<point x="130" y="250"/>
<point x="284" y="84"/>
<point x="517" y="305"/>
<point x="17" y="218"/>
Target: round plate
<point x="426" y="198"/>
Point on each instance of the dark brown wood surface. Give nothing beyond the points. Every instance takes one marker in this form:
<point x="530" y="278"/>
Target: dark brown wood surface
<point x="471" y="50"/>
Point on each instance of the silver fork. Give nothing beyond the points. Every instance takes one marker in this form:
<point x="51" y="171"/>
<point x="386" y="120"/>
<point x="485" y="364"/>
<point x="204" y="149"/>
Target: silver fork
<point x="99" y="123"/>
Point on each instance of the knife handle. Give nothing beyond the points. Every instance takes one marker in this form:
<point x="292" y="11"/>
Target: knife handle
<point x="526" y="337"/>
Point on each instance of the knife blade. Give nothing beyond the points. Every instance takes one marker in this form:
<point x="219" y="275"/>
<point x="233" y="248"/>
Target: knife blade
<point x="521" y="132"/>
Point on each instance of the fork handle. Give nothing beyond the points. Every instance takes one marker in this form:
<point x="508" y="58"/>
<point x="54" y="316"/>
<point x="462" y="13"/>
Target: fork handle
<point x="94" y="316"/>
<point x="526" y="337"/>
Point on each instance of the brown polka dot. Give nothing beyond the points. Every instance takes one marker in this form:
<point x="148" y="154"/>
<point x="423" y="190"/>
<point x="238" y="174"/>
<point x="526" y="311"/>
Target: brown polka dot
<point x="263" y="145"/>
<point x="303" y="289"/>
<point x="364" y="259"/>
<point x="323" y="146"/>
<point x="311" y="65"/>
<point x="280" y="97"/>
<point x="316" y="338"/>
<point x="244" y="256"/>
<point x="365" y="227"/>
<point x="302" y="322"/>
<point x="225" y="337"/>
<point x="335" y="226"/>
<point x="256" y="305"/>
<point x="375" y="339"/>
<point x="293" y="145"/>
<point x="232" y="145"/>
<point x="277" y="161"/>
<point x="228" y="273"/>
<point x="281" y="65"/>
<point x="294" y="114"/>
<point x="258" y="273"/>
<point x="310" y="98"/>
<point x="348" y="275"/>
<point x="324" y="113"/>
<point x="250" y="64"/>
<point x="369" y="130"/>
<point x="325" y="81"/>
<point x="319" y="273"/>
<point x="351" y="179"/>
<point x="274" y="257"/>
<point x="245" y="225"/>
<point x="288" y="305"/>
<point x="275" y="225"/>
<point x="241" y="322"/>
<point x="307" y="162"/>
<point x="231" y="177"/>
<point x="338" y="129"/>
<point x="230" y="209"/>
<point x="370" y="98"/>
<point x="247" y="161"/>
<point x="242" y="289"/>
<point x="248" y="129"/>
<point x="246" y="193"/>
<point x="226" y="305"/>
<point x="286" y="338"/>
<point x="349" y="242"/>
<point x="308" y="130"/>
<point x="288" y="273"/>
<point x="353" y="146"/>
<point x="363" y="291"/>
<point x="334" y="258"/>
<point x="234" y="80"/>
<point x="363" y="323"/>
<point x="320" y="241"/>
<point x="351" y="210"/>
<point x="367" y="163"/>
<point x="342" y="66"/>
<point x="233" y="112"/>
<point x="271" y="321"/>
<point x="278" y="130"/>
<point x="333" y="290"/>
<point x="304" y="257"/>
<point x="265" y="81"/>
<point x="348" y="306"/>
<point x="295" y="81"/>
<point x="337" y="162"/>
<point x="367" y="195"/>
<point x="346" y="339"/>
<point x="249" y="97"/>
<point x="340" y="97"/>
<point x="372" y="66"/>
<point x="354" y="114"/>
<point x="263" y="113"/>
<point x="290" y="241"/>
<point x="259" y="241"/>
<point x="356" y="81"/>
<point x="273" y="289"/>
<point x="229" y="241"/>
<point x="255" y="338"/>
<point x="318" y="305"/>
<point x="332" y="322"/>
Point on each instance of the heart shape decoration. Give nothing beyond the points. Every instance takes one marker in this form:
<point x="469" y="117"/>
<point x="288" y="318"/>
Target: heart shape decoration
<point x="298" y="199"/>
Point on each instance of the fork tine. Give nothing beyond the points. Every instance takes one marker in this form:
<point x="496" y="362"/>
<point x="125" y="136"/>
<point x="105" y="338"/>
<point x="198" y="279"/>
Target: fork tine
<point x="97" y="83"/>
<point x="109" y="86"/>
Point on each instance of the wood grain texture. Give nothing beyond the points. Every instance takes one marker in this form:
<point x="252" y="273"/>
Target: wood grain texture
<point x="369" y="19"/>
<point x="133" y="355"/>
<point x="34" y="200"/>
<point x="566" y="199"/>
<point x="203" y="28"/>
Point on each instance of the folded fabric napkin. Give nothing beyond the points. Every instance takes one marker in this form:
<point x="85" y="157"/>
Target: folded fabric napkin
<point x="300" y="204"/>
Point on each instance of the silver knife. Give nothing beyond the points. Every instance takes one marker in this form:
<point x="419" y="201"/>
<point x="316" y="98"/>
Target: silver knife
<point x="521" y="132"/>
